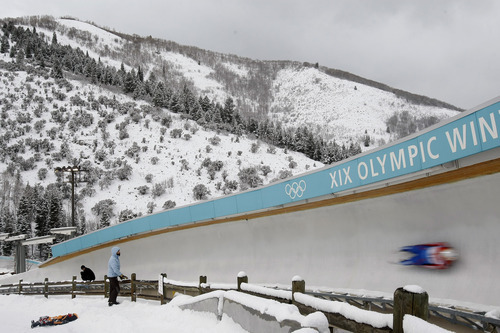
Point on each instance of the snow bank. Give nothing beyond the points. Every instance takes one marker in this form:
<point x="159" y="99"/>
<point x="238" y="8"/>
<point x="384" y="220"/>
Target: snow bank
<point x="374" y="319"/>
<point x="414" y="289"/>
<point x="255" y="312"/>
<point x="94" y="315"/>
<point x="284" y="294"/>
<point x="412" y="324"/>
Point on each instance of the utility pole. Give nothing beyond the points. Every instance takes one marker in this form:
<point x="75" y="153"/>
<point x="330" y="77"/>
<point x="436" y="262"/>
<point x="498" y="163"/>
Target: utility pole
<point x="74" y="170"/>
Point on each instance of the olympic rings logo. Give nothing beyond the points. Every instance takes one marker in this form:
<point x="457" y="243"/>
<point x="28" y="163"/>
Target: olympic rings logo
<point x="296" y="190"/>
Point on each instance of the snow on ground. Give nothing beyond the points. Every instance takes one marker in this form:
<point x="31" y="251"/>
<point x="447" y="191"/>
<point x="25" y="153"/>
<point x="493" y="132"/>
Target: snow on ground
<point x="339" y="107"/>
<point x="94" y="315"/>
<point x="104" y="40"/>
<point x="197" y="72"/>
<point x="103" y="37"/>
<point x="97" y="39"/>
<point x="236" y="69"/>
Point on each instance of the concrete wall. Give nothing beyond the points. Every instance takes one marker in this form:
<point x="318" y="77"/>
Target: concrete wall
<point x="252" y="313"/>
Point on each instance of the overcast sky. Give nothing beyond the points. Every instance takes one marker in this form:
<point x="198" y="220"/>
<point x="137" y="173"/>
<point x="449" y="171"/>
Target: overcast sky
<point x="446" y="49"/>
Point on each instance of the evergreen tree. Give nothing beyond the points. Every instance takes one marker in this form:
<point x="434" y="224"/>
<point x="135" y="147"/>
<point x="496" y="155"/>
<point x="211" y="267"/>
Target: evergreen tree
<point x="57" y="72"/>
<point x="20" y="59"/>
<point x="29" y="51"/>
<point x="13" y="52"/>
<point x="7" y="226"/>
<point x="55" y="211"/>
<point x="140" y="74"/>
<point x="41" y="212"/>
<point x="41" y="222"/>
<point x="354" y="149"/>
<point x="299" y="140"/>
<point x="197" y="112"/>
<point x="140" y="91"/>
<point x="129" y="83"/>
<point x="159" y="97"/>
<point x="122" y="73"/>
<point x="205" y="104"/>
<point x="277" y="135"/>
<point x="216" y="117"/>
<point x="228" y="111"/>
<point x="5" y="45"/>
<point x="252" y="125"/>
<point x="54" y="38"/>
<point x="187" y="100"/>
<point x="175" y="106"/>
<point x="25" y="212"/>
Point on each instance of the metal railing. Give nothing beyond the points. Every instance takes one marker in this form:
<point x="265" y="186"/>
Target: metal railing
<point x="474" y="320"/>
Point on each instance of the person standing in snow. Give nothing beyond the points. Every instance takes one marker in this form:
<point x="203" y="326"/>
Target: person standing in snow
<point x="113" y="275"/>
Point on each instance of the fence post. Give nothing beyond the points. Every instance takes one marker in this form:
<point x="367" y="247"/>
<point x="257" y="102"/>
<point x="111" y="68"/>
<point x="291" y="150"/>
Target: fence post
<point x="133" y="295"/>
<point x="106" y="287"/>
<point x="412" y="300"/>
<point x="298" y="286"/>
<point x="163" y="296"/>
<point x="46" y="288"/>
<point x="242" y="278"/>
<point x="203" y="280"/>
<point x="73" y="287"/>
<point x="20" y="288"/>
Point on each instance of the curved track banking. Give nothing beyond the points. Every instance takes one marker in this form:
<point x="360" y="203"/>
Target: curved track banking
<point x="346" y="242"/>
<point x="343" y="240"/>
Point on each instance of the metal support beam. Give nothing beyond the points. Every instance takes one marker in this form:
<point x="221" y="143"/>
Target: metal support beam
<point x="20" y="258"/>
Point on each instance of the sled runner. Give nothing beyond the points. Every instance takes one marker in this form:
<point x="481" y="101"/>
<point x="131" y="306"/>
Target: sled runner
<point x="56" y="320"/>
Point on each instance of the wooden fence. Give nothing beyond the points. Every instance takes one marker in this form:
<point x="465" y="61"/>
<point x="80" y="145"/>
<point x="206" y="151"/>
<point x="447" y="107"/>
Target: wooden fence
<point x="133" y="288"/>
<point x="404" y="302"/>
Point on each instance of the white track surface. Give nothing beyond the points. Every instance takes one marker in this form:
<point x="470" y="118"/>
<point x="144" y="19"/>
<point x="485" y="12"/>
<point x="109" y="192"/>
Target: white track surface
<point x="347" y="246"/>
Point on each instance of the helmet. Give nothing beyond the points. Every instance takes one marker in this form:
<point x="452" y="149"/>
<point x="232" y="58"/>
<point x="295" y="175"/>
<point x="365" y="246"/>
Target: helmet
<point x="449" y="254"/>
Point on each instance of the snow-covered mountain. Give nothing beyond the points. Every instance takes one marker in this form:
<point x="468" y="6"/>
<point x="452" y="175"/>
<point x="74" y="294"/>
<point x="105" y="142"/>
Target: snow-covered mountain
<point x="336" y="104"/>
<point x="141" y="156"/>
<point x="342" y="110"/>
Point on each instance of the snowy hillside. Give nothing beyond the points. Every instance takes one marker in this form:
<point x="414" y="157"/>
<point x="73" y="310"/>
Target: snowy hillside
<point x="340" y="109"/>
<point x="109" y="47"/>
<point x="296" y="95"/>
<point x="176" y="162"/>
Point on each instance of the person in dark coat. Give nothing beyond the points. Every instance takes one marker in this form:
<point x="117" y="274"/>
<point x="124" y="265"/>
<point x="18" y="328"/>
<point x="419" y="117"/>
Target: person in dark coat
<point x="87" y="274"/>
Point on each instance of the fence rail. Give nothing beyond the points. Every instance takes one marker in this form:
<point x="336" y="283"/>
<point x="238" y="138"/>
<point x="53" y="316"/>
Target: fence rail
<point x="149" y="289"/>
<point x="474" y="320"/>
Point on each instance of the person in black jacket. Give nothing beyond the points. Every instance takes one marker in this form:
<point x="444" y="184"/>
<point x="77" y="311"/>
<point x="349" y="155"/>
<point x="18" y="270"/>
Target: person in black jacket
<point x="87" y="274"/>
